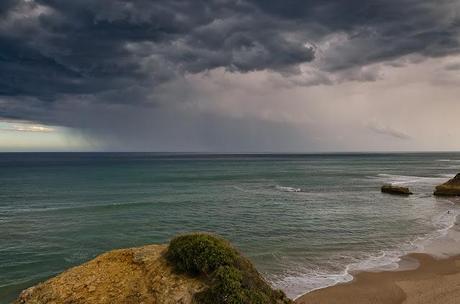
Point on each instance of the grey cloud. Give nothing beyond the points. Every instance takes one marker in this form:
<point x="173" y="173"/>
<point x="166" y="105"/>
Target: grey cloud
<point x="82" y="46"/>
<point x="111" y="53"/>
<point x="164" y="129"/>
<point x="387" y="130"/>
<point x="453" y="67"/>
<point x="6" y="5"/>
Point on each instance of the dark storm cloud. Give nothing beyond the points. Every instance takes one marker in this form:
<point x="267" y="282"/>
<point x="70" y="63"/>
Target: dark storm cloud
<point x="80" y="47"/>
<point x="6" y="5"/>
<point x="116" y="52"/>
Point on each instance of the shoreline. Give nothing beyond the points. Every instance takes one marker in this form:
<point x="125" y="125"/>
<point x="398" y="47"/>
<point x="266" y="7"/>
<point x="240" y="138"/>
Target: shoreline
<point x="438" y="257"/>
<point x="442" y="243"/>
<point x="435" y="280"/>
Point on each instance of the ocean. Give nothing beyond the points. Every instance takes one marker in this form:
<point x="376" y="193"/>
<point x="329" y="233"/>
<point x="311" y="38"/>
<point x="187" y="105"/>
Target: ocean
<point x="306" y="221"/>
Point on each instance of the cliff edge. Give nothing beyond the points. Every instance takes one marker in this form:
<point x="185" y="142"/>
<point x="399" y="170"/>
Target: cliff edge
<point x="194" y="268"/>
<point x="134" y="275"/>
<point x="449" y="188"/>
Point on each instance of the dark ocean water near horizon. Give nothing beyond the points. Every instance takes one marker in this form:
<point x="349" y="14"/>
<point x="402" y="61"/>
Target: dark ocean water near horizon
<point x="306" y="221"/>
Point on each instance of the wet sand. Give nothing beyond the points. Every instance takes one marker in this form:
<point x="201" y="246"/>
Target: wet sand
<point x="433" y="281"/>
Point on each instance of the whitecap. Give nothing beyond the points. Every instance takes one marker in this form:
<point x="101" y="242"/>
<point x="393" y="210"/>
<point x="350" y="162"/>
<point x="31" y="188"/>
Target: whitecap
<point x="307" y="280"/>
<point x="449" y="160"/>
<point x="409" y="179"/>
<point x="288" y="189"/>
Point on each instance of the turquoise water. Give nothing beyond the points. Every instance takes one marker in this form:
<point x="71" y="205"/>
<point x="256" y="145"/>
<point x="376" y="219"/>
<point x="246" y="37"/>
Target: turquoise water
<point x="305" y="220"/>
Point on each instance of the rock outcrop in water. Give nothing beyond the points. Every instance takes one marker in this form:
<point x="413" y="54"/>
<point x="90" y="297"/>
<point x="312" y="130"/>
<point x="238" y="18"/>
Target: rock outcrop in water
<point x="398" y="190"/>
<point x="195" y="268"/>
<point x="449" y="188"/>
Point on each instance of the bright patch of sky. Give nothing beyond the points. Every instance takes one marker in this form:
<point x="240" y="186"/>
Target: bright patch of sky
<point x="25" y="136"/>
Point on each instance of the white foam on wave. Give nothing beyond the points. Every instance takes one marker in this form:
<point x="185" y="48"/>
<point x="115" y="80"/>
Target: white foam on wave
<point x="287" y="189"/>
<point x="444" y="240"/>
<point x="449" y="160"/>
<point x="447" y="175"/>
<point x="297" y="285"/>
<point x="410" y="179"/>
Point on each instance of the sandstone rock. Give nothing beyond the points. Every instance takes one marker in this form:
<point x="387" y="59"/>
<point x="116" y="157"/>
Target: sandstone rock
<point x="449" y="188"/>
<point x="398" y="190"/>
<point x="135" y="275"/>
<point x="194" y="268"/>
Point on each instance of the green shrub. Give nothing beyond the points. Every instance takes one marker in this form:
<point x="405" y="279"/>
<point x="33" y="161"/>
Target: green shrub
<point x="225" y="288"/>
<point x="200" y="253"/>
<point x="232" y="279"/>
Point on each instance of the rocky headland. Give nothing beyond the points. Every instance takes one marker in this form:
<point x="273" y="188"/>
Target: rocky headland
<point x="449" y="188"/>
<point x="194" y="268"/>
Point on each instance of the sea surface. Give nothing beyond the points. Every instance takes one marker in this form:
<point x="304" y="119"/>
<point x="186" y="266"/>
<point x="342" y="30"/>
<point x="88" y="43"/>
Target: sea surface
<point x="306" y="221"/>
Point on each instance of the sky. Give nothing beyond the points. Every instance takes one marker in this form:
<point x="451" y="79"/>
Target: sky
<point x="230" y="75"/>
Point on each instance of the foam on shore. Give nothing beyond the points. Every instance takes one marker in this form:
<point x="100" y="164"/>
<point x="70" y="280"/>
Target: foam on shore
<point x="443" y="242"/>
<point x="434" y="281"/>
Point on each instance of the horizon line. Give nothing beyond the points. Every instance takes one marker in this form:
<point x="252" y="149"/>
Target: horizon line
<point x="244" y="152"/>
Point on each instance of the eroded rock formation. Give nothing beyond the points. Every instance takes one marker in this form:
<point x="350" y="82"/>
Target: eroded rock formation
<point x="449" y="188"/>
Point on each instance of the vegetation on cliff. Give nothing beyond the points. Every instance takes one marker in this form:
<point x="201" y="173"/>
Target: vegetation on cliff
<point x="195" y="268"/>
<point x="232" y="279"/>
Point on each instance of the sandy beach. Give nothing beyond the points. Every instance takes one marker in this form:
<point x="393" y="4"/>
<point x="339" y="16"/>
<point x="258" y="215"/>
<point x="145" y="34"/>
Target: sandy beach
<point x="434" y="281"/>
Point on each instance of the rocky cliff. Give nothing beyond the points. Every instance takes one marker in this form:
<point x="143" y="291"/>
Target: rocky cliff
<point x="135" y="275"/>
<point x="449" y="188"/>
<point x="195" y="268"/>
